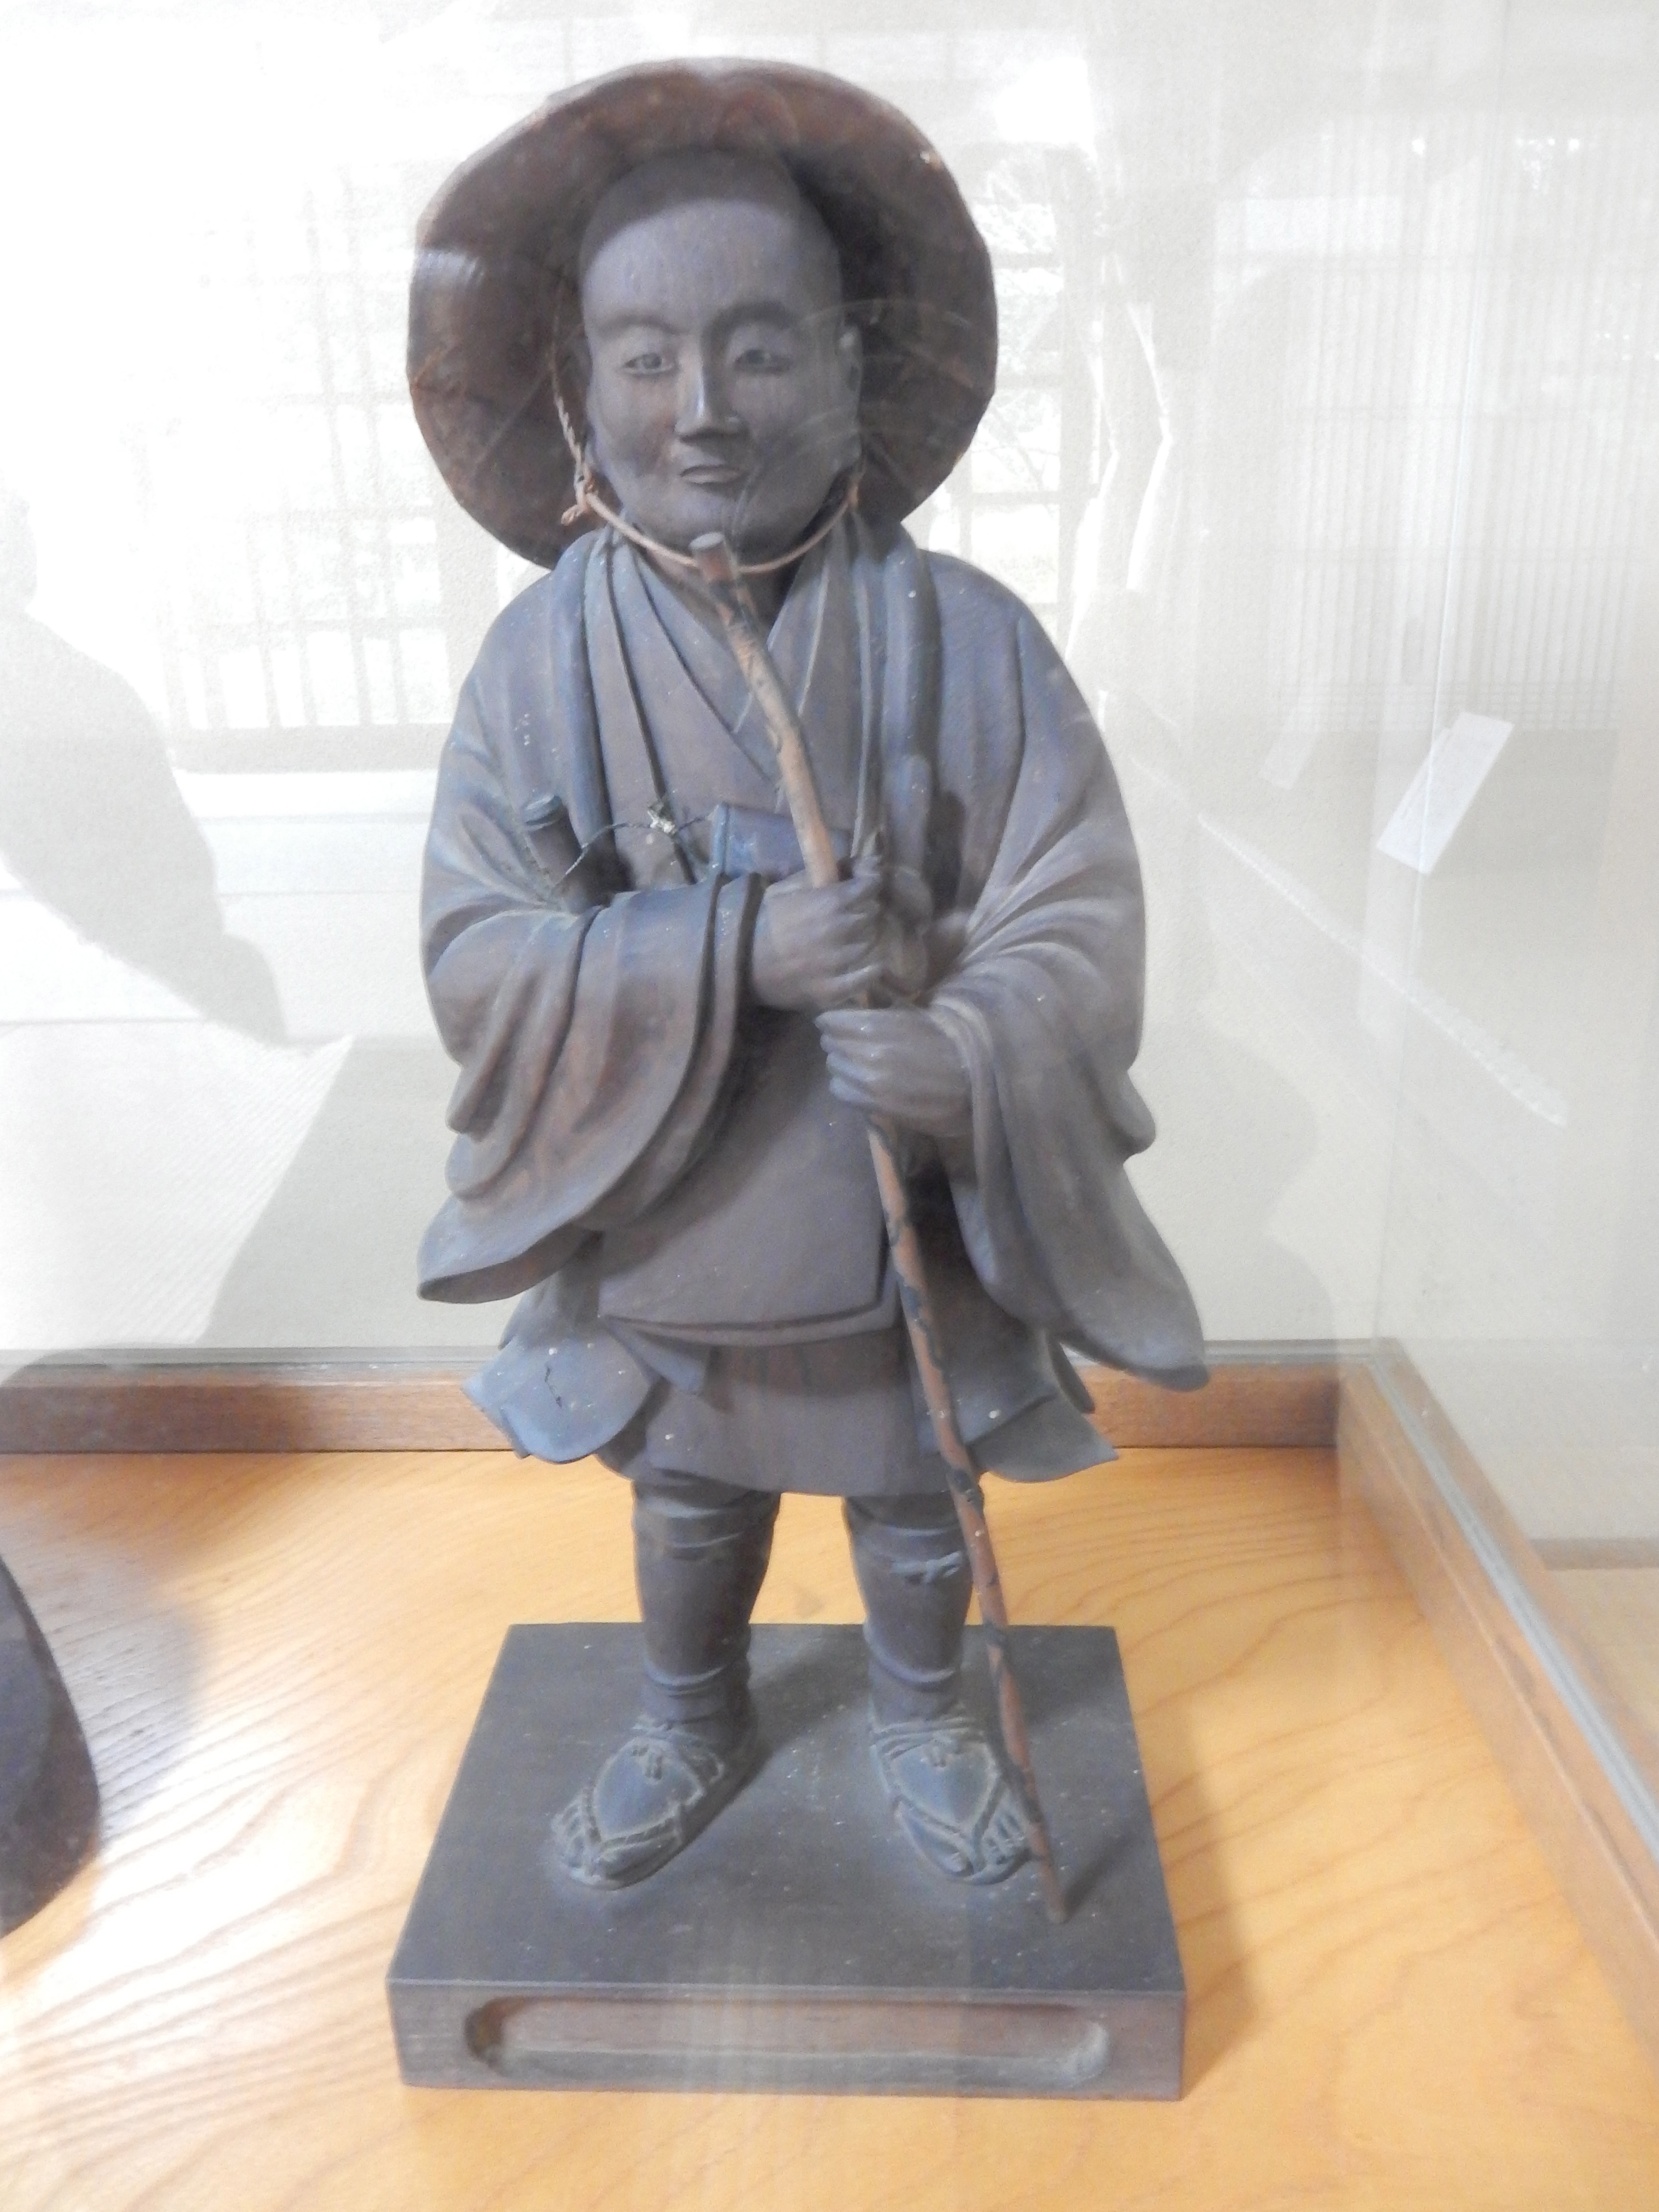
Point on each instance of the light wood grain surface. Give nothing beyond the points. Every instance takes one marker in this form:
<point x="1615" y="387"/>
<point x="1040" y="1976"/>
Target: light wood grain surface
<point x="1596" y="1847"/>
<point x="277" y="1660"/>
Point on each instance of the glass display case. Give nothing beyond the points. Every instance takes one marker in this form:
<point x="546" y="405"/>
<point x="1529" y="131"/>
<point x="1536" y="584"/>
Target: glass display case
<point x="1326" y="447"/>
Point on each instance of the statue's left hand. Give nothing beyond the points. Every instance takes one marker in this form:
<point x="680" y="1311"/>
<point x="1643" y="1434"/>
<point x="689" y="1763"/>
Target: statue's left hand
<point x="899" y="1062"/>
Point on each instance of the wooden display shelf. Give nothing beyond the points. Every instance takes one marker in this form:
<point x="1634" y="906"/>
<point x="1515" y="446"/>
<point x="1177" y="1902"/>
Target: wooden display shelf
<point x="279" y="1658"/>
<point x="1256" y="1395"/>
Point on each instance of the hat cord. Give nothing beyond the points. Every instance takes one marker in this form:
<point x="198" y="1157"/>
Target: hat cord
<point x="588" y="501"/>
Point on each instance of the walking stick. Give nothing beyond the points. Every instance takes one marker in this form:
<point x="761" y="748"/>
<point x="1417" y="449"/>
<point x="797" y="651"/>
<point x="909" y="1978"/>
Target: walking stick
<point x="719" y="571"/>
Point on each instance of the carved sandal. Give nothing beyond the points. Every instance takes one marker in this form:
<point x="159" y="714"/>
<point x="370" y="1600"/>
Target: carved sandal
<point x="661" y="1788"/>
<point x="947" y="1790"/>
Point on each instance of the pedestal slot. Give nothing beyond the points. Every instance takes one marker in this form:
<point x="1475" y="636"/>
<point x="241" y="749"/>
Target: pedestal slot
<point x="1052" y="2049"/>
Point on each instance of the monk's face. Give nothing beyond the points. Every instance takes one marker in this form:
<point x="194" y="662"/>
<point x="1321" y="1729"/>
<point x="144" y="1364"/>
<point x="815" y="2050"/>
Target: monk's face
<point x="723" y="392"/>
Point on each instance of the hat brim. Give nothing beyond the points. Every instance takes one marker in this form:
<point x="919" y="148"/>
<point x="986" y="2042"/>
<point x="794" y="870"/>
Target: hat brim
<point x="496" y="258"/>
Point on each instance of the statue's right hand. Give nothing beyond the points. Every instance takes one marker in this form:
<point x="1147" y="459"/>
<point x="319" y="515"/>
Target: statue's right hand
<point x="816" y="949"/>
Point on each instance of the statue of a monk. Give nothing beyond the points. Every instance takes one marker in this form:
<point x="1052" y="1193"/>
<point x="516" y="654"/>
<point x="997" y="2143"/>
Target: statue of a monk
<point x="753" y="302"/>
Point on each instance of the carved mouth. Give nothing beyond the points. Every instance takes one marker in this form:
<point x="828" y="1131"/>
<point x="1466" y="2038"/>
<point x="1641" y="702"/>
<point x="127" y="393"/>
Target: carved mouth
<point x="712" y="476"/>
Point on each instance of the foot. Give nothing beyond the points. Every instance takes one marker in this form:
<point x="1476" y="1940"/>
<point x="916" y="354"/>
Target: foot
<point x="947" y="1789"/>
<point x="650" y="1797"/>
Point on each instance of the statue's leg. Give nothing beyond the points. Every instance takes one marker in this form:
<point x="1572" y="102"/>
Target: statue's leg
<point x="938" y="1768"/>
<point x="701" y="1551"/>
<point x="700" y="1555"/>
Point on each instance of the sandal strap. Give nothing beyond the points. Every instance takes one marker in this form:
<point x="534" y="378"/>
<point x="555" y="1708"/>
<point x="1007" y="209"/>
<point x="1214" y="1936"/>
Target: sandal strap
<point x="955" y="1730"/>
<point x="892" y="1738"/>
<point x="714" y="1776"/>
<point x="675" y="1745"/>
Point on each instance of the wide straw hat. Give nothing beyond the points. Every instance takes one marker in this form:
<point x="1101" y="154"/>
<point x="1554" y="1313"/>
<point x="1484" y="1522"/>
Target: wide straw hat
<point x="493" y="303"/>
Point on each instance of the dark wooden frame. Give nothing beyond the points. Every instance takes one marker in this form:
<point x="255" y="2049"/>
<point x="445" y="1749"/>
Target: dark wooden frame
<point x="1258" y="1395"/>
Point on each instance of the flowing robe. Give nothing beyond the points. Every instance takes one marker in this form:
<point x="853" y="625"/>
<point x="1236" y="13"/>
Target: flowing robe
<point x="657" y="1159"/>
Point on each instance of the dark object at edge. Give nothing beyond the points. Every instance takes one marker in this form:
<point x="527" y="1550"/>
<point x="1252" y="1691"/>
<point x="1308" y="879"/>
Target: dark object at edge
<point x="48" y="1792"/>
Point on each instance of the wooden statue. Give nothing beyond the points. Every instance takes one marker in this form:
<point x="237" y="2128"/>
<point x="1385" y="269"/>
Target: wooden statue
<point x="697" y="338"/>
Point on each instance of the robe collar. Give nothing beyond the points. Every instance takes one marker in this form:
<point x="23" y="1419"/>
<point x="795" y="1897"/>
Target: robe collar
<point x="676" y="722"/>
<point x="707" y="659"/>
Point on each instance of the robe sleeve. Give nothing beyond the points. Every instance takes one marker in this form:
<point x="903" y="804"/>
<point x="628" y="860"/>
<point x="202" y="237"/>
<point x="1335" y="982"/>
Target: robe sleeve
<point x="593" y="1034"/>
<point x="1044" y="1004"/>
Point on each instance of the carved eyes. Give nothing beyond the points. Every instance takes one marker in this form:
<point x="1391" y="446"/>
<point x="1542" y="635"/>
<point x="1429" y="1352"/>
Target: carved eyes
<point x="752" y="360"/>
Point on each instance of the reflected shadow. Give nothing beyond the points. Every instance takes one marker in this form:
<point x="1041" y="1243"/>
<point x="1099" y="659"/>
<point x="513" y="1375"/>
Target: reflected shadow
<point x="1081" y="1883"/>
<point x="1047" y="1695"/>
<point x="315" y="1269"/>
<point x="1221" y="1997"/>
<point x="794" y="1698"/>
<point x="1256" y="76"/>
<point x="1221" y="2000"/>
<point x="92" y="823"/>
<point x="1258" y="1134"/>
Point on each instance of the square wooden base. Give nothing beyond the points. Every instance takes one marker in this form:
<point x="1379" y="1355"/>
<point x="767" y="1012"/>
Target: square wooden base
<point x="799" y="1943"/>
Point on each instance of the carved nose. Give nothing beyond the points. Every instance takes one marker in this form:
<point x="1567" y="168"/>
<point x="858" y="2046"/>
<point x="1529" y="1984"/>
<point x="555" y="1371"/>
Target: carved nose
<point x="704" y="412"/>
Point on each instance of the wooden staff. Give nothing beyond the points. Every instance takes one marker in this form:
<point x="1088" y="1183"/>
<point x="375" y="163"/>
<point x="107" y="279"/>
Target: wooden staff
<point x="720" y="572"/>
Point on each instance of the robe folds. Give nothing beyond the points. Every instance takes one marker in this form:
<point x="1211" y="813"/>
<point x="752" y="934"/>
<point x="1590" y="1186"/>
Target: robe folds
<point x="656" y="1160"/>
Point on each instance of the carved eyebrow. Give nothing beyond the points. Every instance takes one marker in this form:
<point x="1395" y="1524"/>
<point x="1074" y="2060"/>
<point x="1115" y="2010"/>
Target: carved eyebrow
<point x="774" y="314"/>
<point x="614" y="326"/>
